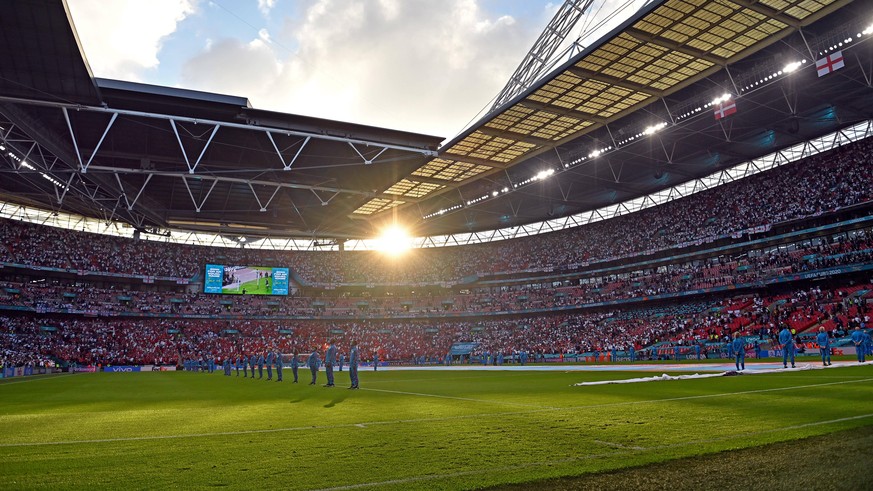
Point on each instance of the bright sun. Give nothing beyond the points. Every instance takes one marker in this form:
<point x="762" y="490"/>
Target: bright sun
<point x="394" y="240"/>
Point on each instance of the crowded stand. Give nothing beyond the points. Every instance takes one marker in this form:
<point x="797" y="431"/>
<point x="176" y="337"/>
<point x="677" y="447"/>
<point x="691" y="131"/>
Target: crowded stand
<point x="679" y="304"/>
<point x="650" y="332"/>
<point x="807" y="188"/>
<point x="749" y="268"/>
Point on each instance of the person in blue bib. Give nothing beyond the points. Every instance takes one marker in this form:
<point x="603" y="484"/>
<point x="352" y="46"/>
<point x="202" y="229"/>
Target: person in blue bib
<point x="260" y="366"/>
<point x="269" y="365"/>
<point x="786" y="339"/>
<point x="313" y="362"/>
<point x="353" y="365"/>
<point x="253" y="360"/>
<point x="236" y="366"/>
<point x="279" y="362"/>
<point x="329" y="361"/>
<point x="739" y="347"/>
<point x="824" y="346"/>
<point x="859" y="340"/>
<point x="295" y="364"/>
<point x="245" y="366"/>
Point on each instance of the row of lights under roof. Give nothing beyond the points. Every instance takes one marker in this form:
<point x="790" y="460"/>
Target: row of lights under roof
<point x="26" y="165"/>
<point x="789" y="68"/>
<point x="650" y="130"/>
<point x="845" y="42"/>
<point x="442" y="211"/>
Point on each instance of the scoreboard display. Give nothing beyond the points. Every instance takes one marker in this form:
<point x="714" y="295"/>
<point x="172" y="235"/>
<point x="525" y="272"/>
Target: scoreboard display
<point x="245" y="280"/>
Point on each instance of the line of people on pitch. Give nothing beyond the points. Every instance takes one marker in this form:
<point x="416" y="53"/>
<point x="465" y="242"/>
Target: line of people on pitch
<point x="271" y="360"/>
<point x="860" y="339"/>
<point x="313" y="361"/>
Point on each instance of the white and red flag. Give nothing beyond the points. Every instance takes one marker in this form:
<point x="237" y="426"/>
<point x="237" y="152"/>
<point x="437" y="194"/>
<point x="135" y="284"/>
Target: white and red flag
<point x="725" y="109"/>
<point x="830" y="63"/>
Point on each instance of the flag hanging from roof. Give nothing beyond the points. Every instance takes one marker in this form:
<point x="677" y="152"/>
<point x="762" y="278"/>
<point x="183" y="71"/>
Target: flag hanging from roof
<point x="725" y="109"/>
<point x="830" y="63"/>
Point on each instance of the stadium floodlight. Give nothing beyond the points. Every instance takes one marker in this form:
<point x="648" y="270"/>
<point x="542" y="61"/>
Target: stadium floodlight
<point x="2" y="148"/>
<point x="27" y="165"/>
<point x="651" y="130"/>
<point x="794" y="65"/>
<point x="722" y="98"/>
<point x="544" y="174"/>
<point x="394" y="240"/>
<point x="494" y="193"/>
<point x="868" y="30"/>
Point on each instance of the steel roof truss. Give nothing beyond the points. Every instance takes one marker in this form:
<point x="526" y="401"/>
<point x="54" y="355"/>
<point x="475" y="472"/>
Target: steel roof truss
<point x="365" y="159"/>
<point x="124" y="193"/>
<point x="182" y="145"/>
<point x="83" y="166"/>
<point x="287" y="165"/>
<point x="263" y="206"/>
<point x="321" y="200"/>
<point x="60" y="196"/>
<point x="197" y="206"/>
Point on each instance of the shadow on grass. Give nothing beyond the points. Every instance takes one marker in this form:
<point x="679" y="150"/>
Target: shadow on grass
<point x="340" y="397"/>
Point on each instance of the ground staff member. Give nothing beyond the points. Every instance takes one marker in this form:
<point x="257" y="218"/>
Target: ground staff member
<point x="824" y="346"/>
<point x="739" y="347"/>
<point x="787" y="342"/>
<point x="313" y="362"/>
<point x="353" y="365"/>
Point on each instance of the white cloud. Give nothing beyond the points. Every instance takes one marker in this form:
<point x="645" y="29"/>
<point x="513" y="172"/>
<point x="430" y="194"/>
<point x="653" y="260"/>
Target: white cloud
<point x="265" y="6"/>
<point x="415" y="65"/>
<point x="122" y="39"/>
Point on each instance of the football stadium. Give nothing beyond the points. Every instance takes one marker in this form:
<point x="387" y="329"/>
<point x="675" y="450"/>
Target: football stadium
<point x="647" y="264"/>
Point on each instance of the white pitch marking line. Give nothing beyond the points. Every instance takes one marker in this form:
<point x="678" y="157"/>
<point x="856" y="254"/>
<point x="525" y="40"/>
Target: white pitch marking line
<point x="470" y="399"/>
<point x="625" y="450"/>
<point x="47" y="377"/>
<point x="619" y="445"/>
<point x="418" y="420"/>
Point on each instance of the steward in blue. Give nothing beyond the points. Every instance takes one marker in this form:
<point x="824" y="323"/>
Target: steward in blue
<point x="236" y="365"/>
<point x="859" y="340"/>
<point x="279" y="362"/>
<point x="252" y="362"/>
<point x="269" y="365"/>
<point x="260" y="366"/>
<point x="295" y="364"/>
<point x="313" y="362"/>
<point x="353" y="365"/>
<point x="787" y="342"/>
<point x="824" y="346"/>
<point x="329" y="361"/>
<point x="739" y="347"/>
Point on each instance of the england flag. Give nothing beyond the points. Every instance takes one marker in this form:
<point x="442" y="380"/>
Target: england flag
<point x="830" y="63"/>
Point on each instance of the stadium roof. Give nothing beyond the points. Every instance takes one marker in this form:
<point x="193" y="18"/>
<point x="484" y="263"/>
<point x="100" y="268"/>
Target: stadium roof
<point x="160" y="157"/>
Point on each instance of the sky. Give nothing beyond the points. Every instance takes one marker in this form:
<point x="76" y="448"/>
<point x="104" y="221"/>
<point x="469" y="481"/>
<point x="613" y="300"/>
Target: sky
<point x="426" y="66"/>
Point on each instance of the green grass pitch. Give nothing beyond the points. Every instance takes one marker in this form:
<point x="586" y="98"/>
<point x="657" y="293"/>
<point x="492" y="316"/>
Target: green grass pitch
<point x="418" y="429"/>
<point x="254" y="287"/>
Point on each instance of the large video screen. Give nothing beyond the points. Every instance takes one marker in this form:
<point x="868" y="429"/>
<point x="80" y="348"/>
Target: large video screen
<point x="245" y="280"/>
